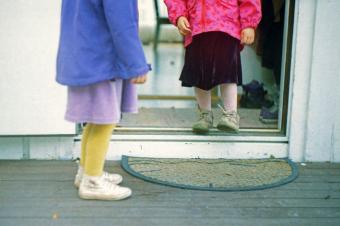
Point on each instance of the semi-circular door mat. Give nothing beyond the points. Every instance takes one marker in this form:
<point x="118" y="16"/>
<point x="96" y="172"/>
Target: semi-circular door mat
<point x="213" y="174"/>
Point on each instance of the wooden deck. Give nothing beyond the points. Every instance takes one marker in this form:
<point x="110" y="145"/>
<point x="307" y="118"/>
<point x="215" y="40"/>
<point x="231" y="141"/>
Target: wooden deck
<point x="41" y="193"/>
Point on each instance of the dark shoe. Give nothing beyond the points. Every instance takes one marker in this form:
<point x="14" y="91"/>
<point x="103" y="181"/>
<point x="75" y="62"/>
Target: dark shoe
<point x="254" y="96"/>
<point x="269" y="115"/>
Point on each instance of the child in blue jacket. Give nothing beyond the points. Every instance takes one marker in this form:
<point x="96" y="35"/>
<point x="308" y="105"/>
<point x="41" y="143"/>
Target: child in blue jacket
<point x="100" y="59"/>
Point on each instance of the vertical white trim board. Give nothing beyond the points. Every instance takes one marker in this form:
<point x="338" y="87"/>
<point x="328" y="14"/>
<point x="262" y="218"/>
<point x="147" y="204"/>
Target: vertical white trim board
<point x="300" y="76"/>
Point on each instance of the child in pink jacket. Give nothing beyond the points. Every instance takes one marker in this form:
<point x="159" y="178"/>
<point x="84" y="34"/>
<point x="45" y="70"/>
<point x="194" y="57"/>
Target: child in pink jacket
<point x="214" y="31"/>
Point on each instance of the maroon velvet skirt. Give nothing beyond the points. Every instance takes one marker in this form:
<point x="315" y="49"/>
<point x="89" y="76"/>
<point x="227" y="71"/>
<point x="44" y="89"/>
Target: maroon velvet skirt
<point x="213" y="58"/>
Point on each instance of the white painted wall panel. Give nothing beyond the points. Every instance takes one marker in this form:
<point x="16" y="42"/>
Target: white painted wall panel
<point x="147" y="14"/>
<point x="11" y="148"/>
<point x="51" y="147"/>
<point x="252" y="69"/>
<point x="31" y="102"/>
<point x="324" y="84"/>
<point x="314" y="125"/>
<point x="336" y="131"/>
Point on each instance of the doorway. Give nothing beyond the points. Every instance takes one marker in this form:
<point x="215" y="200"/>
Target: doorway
<point x="262" y="100"/>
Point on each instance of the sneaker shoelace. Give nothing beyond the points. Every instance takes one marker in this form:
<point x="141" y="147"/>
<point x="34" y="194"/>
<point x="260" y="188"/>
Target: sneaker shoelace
<point x="204" y="115"/>
<point x="107" y="184"/>
<point x="231" y="115"/>
<point x="109" y="176"/>
<point x="106" y="175"/>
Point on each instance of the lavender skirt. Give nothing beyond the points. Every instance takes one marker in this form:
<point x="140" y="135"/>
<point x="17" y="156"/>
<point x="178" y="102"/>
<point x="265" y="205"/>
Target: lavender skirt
<point x="101" y="103"/>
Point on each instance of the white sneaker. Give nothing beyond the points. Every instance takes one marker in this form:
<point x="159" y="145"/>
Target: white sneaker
<point x="113" y="178"/>
<point x="101" y="189"/>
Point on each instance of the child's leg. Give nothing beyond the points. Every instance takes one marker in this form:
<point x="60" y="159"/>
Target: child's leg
<point x="203" y="98"/>
<point x="230" y="120"/>
<point x="205" y="118"/>
<point x="96" y="184"/>
<point x="229" y="96"/>
<point x="96" y="148"/>
<point x="86" y="132"/>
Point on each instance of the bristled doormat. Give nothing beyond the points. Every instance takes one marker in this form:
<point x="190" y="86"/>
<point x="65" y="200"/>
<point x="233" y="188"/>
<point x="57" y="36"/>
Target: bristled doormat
<point x="213" y="174"/>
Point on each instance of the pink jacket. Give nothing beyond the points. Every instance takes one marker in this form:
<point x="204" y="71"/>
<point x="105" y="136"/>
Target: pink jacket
<point x="230" y="16"/>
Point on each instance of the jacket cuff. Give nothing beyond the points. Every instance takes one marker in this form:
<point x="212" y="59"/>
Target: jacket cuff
<point x="248" y="24"/>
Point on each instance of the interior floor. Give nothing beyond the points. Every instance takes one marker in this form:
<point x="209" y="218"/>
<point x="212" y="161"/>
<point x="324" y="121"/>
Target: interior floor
<point x="184" y="118"/>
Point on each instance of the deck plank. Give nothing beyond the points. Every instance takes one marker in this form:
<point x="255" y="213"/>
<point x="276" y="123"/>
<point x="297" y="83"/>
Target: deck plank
<point x="131" y="221"/>
<point x="41" y="193"/>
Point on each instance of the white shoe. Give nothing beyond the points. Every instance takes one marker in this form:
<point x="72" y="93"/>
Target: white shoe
<point x="113" y="178"/>
<point x="101" y="189"/>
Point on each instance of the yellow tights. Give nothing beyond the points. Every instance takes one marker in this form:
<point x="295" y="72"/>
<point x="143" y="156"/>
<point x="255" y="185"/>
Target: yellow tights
<point x="94" y="146"/>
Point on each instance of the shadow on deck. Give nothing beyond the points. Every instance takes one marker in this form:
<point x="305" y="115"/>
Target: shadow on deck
<point x="41" y="193"/>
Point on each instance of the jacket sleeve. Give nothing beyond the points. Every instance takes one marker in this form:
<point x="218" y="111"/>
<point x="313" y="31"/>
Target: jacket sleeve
<point x="250" y="13"/>
<point x="176" y="8"/>
<point x="122" y="19"/>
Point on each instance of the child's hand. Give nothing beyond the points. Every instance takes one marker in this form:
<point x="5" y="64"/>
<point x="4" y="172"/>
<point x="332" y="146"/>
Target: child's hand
<point x="247" y="36"/>
<point x="183" y="26"/>
<point x="139" y="80"/>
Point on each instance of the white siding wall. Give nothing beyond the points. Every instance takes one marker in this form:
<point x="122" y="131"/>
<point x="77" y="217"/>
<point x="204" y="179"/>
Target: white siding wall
<point x="56" y="147"/>
<point x="315" y="118"/>
<point x="324" y="83"/>
<point x="31" y="101"/>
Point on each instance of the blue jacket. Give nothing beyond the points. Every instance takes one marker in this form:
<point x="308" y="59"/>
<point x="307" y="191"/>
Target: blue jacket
<point x="99" y="41"/>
